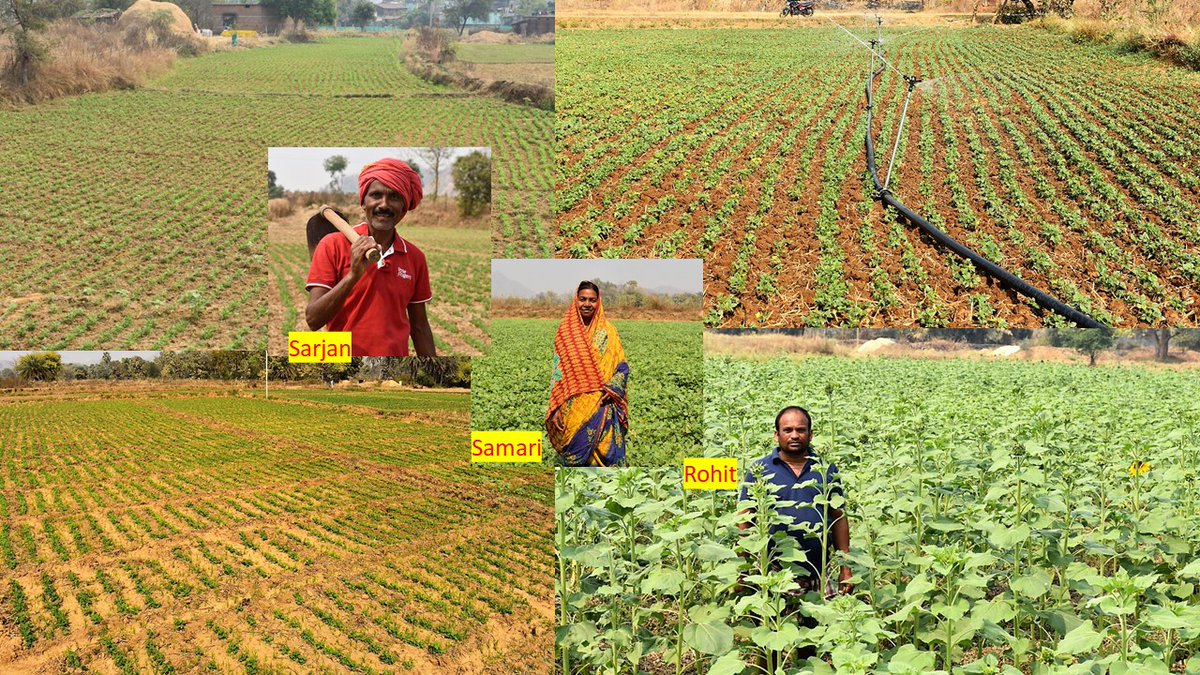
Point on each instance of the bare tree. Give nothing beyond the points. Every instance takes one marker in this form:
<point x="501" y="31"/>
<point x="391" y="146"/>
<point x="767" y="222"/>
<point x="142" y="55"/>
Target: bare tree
<point x="435" y="157"/>
<point x="22" y="15"/>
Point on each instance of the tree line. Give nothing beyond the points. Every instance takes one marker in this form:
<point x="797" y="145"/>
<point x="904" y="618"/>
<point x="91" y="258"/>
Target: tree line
<point x="471" y="173"/>
<point x="613" y="295"/>
<point x="425" y="371"/>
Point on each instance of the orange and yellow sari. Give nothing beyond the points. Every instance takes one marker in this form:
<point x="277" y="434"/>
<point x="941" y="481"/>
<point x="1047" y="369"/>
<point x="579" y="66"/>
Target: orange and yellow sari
<point x="588" y="415"/>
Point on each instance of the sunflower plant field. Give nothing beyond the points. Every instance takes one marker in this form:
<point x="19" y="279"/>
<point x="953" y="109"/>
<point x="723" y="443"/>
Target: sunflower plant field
<point x="1004" y="518"/>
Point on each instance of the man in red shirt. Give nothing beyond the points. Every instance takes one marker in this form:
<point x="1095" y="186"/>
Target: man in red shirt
<point x="382" y="303"/>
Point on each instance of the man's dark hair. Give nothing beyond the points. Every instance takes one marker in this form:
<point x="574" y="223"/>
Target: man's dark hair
<point x="790" y="408"/>
<point x="587" y="284"/>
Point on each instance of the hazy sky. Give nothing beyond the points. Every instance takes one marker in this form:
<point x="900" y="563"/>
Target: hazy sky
<point x="9" y="359"/>
<point x="562" y="276"/>
<point x="303" y="168"/>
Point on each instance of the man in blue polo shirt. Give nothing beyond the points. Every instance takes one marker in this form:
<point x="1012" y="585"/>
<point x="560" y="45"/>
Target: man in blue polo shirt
<point x="801" y="477"/>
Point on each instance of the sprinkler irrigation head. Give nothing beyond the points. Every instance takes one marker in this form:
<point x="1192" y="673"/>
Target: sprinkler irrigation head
<point x="912" y="81"/>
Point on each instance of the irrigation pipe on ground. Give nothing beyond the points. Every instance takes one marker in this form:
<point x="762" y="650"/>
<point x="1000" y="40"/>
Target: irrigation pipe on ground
<point x="983" y="264"/>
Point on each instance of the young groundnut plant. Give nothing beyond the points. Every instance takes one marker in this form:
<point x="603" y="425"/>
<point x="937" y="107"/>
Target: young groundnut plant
<point x="1005" y="517"/>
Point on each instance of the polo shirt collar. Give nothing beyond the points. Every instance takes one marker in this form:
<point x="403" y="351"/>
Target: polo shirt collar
<point x="776" y="460"/>
<point x="391" y="249"/>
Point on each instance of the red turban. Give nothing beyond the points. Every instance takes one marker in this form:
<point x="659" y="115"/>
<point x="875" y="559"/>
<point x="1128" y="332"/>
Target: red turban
<point x="396" y="175"/>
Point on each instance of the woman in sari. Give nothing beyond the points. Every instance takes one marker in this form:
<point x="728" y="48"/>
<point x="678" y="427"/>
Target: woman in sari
<point x="588" y="415"/>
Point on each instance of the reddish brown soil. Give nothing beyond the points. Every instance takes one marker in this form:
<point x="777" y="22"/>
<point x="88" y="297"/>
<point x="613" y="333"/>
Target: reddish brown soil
<point x="1074" y="257"/>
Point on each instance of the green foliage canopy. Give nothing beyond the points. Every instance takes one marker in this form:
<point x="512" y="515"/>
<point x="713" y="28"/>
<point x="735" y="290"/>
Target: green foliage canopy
<point x="473" y="180"/>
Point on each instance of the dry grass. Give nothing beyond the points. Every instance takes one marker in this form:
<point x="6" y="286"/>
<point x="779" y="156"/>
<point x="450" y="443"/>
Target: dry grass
<point x="290" y="229"/>
<point x="536" y="74"/>
<point x="1169" y="16"/>
<point x="760" y="345"/>
<point x="279" y="207"/>
<point x="429" y="54"/>
<point x="82" y="59"/>
<point x="216" y="43"/>
<point x="309" y="201"/>
<point x="1176" y="41"/>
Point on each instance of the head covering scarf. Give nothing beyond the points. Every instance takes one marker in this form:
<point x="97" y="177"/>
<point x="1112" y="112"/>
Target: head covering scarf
<point x="580" y="364"/>
<point x="396" y="175"/>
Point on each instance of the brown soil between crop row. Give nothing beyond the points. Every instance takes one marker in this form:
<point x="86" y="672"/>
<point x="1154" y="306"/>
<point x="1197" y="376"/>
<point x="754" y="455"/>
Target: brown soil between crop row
<point x="1073" y="258"/>
<point x="489" y="519"/>
<point x="526" y="632"/>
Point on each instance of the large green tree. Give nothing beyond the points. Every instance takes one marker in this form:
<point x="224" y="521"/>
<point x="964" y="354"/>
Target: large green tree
<point x="335" y="166"/>
<point x="363" y="13"/>
<point x="1088" y="341"/>
<point x="274" y="190"/>
<point x="309" y="12"/>
<point x="473" y="181"/>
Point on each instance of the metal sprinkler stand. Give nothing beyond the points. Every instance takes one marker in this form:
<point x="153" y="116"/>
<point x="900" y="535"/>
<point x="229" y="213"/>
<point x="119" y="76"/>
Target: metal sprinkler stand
<point x="912" y="85"/>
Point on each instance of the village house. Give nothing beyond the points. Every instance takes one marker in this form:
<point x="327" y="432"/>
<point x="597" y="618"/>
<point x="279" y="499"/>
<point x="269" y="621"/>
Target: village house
<point x="245" y="15"/>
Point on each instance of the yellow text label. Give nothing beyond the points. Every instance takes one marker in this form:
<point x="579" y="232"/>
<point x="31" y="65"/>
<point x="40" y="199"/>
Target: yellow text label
<point x="710" y="474"/>
<point x="506" y="446"/>
<point x="315" y="347"/>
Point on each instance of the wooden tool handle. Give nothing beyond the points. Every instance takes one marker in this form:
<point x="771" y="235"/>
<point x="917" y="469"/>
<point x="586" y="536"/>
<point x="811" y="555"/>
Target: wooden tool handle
<point x="329" y="214"/>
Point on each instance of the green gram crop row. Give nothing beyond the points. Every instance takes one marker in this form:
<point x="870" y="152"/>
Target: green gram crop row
<point x="178" y="534"/>
<point x="997" y="525"/>
<point x="167" y="188"/>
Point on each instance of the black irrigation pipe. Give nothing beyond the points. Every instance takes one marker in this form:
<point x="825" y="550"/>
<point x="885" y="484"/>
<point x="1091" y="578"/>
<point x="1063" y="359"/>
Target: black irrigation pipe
<point x="1004" y="276"/>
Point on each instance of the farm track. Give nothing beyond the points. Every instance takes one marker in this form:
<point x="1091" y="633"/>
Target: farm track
<point x="264" y="542"/>
<point x="167" y="184"/>
<point x="1071" y="182"/>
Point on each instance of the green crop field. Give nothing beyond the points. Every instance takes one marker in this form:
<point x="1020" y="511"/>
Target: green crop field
<point x="402" y="402"/>
<point x="157" y="532"/>
<point x="459" y="274"/>
<point x="166" y="240"/>
<point x="997" y="525"/>
<point x="1073" y="166"/>
<point x="511" y="386"/>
